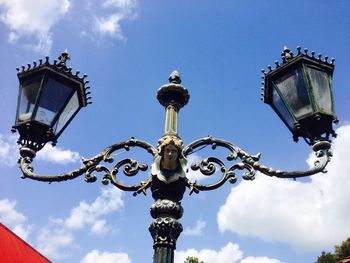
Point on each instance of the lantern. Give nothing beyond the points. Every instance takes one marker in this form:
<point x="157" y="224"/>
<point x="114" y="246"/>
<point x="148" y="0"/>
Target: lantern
<point x="300" y="92"/>
<point x="49" y="98"/>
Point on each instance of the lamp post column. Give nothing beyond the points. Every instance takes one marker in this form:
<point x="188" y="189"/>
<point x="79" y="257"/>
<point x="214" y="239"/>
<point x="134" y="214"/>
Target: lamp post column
<point x="171" y="119"/>
<point x="166" y="212"/>
<point x="168" y="174"/>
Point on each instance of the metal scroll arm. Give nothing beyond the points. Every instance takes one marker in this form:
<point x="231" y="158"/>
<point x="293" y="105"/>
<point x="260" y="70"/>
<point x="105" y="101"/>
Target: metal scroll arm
<point x="323" y="154"/>
<point x="208" y="165"/>
<point x="248" y="162"/>
<point x="130" y="167"/>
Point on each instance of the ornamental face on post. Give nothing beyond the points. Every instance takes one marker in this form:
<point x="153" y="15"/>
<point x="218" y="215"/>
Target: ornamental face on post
<point x="49" y="97"/>
<point x="300" y="92"/>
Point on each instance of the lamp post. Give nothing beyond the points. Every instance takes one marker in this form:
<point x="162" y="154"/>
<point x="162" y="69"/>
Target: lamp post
<point x="299" y="90"/>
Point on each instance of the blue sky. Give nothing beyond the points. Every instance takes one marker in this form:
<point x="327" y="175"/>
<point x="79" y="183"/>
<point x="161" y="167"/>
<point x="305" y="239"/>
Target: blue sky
<point x="128" y="48"/>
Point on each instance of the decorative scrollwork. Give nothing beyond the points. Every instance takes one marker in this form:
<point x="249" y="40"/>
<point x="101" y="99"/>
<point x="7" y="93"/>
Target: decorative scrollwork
<point x="249" y="163"/>
<point x="208" y="166"/>
<point x="130" y="167"/>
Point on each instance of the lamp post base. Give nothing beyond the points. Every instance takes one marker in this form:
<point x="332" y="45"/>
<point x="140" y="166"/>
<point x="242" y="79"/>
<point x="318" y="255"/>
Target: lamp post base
<point x="166" y="212"/>
<point x="163" y="255"/>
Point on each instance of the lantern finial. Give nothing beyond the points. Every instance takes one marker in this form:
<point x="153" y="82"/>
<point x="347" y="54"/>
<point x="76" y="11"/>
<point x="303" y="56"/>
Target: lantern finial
<point x="64" y="57"/>
<point x="286" y="54"/>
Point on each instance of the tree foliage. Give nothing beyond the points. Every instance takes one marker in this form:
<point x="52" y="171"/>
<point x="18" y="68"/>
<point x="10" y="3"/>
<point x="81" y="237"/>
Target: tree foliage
<point x="326" y="257"/>
<point x="343" y="250"/>
<point x="340" y="252"/>
<point x="193" y="260"/>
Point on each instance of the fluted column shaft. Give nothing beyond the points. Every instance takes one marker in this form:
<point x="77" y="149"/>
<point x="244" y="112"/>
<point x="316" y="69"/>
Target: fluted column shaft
<point x="166" y="212"/>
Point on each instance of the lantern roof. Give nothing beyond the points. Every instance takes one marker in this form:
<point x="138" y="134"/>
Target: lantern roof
<point x="59" y="67"/>
<point x="290" y="60"/>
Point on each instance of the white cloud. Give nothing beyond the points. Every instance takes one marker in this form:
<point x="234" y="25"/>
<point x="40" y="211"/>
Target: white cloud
<point x="57" y="155"/>
<point x="123" y="4"/>
<point x="33" y="18"/>
<point x="96" y="256"/>
<point x="56" y="239"/>
<point x="13" y="219"/>
<point x="30" y="23"/>
<point x="43" y="45"/>
<point x="13" y="37"/>
<point x="52" y="242"/>
<point x="8" y="150"/>
<point x="99" y="227"/>
<point x="260" y="260"/>
<point x="310" y="215"/>
<point x="22" y="231"/>
<point x="8" y="213"/>
<point x="9" y="153"/>
<point x="197" y="230"/>
<point x="110" y="24"/>
<point x="86" y="214"/>
<point x="227" y="254"/>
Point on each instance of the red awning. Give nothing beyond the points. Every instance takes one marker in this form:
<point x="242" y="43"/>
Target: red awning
<point x="13" y="249"/>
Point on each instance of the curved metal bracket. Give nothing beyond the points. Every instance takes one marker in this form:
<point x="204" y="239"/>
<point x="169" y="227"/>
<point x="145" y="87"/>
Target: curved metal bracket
<point x="207" y="166"/>
<point x="130" y="167"/>
<point x="322" y="152"/>
<point x="250" y="163"/>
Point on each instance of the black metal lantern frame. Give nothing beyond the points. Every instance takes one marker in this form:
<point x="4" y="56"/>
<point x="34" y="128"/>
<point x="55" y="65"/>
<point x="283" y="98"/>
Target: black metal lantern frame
<point x="300" y="92"/>
<point x="168" y="186"/>
<point x="50" y="96"/>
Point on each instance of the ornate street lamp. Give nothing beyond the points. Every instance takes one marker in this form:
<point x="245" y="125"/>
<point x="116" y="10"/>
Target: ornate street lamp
<point x="299" y="90"/>
<point x="49" y="98"/>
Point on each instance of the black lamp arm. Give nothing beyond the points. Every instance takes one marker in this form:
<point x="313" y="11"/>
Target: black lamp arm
<point x="207" y="166"/>
<point x="323" y="157"/>
<point x="130" y="167"/>
<point x="250" y="163"/>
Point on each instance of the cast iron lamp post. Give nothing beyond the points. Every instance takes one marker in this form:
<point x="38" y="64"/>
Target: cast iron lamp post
<point x="299" y="90"/>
